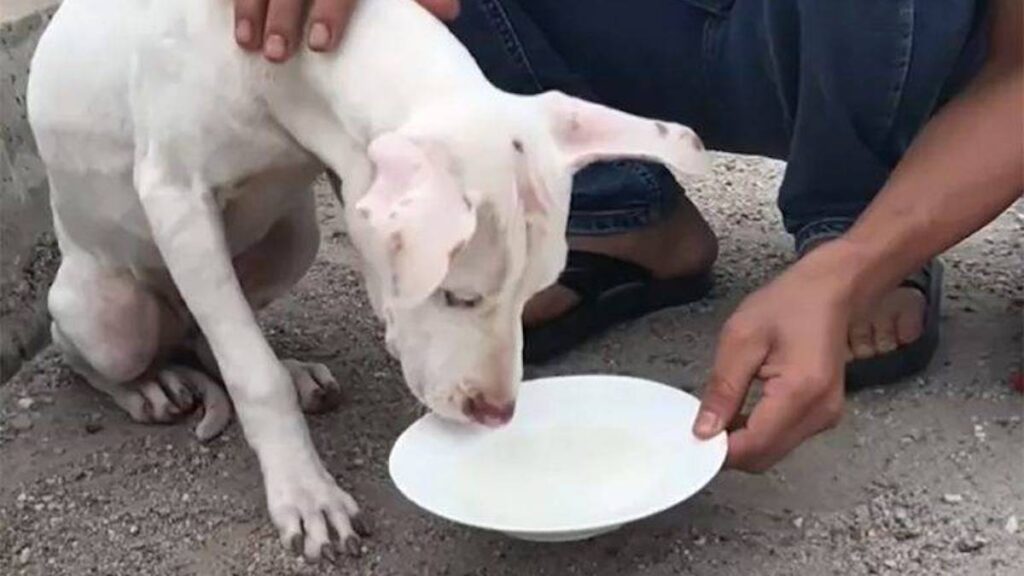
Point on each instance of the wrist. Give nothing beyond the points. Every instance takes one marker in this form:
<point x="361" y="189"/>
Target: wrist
<point x="847" y="268"/>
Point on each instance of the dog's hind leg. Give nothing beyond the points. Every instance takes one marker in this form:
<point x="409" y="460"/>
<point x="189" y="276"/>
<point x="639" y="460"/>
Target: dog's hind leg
<point x="114" y="332"/>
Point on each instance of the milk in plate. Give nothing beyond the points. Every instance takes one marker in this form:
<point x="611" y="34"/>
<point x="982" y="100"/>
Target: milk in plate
<point x="555" y="476"/>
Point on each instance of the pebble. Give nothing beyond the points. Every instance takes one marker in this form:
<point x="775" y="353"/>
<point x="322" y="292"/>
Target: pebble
<point x="1012" y="525"/>
<point x="21" y="422"/>
<point x="798" y="522"/>
<point x="24" y="556"/>
<point x="26" y="403"/>
<point x="952" y="498"/>
<point x="973" y="544"/>
<point x="93" y="427"/>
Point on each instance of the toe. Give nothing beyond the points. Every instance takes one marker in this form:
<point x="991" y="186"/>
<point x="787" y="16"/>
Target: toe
<point x="175" y="389"/>
<point x="318" y="391"/>
<point x="290" y="529"/>
<point x="910" y="322"/>
<point x="216" y="405"/>
<point x="861" y="340"/>
<point x="353" y="546"/>
<point x="322" y="375"/>
<point x="884" y="330"/>
<point x="135" y="404"/>
<point x="162" y="409"/>
<point x="327" y="552"/>
<point x="316" y="534"/>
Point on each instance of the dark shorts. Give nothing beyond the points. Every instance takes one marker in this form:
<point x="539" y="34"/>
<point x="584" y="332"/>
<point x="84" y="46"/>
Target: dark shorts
<point x="837" y="88"/>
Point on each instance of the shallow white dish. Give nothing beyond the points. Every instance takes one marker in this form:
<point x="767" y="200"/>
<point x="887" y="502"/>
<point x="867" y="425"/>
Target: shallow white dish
<point x="582" y="456"/>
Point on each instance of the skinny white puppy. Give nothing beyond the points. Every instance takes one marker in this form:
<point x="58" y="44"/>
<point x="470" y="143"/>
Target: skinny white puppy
<point x="180" y="171"/>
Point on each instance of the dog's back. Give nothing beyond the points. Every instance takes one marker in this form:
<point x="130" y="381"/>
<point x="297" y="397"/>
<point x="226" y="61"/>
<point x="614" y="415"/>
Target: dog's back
<point x="103" y="65"/>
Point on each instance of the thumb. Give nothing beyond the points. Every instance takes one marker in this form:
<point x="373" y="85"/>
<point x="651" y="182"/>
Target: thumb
<point x="738" y="358"/>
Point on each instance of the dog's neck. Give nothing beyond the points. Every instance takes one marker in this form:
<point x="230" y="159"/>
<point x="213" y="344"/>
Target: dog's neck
<point x="397" y="63"/>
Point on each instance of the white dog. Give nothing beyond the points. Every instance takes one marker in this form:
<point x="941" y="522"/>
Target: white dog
<point x="180" y="171"/>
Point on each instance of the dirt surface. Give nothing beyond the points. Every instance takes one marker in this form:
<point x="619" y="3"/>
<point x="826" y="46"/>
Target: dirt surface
<point x="926" y="477"/>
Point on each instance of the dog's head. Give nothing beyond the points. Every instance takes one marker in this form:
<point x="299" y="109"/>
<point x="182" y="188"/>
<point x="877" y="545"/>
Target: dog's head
<point x="465" y="220"/>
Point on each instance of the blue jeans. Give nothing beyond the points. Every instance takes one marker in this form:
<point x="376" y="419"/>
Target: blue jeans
<point x="837" y="88"/>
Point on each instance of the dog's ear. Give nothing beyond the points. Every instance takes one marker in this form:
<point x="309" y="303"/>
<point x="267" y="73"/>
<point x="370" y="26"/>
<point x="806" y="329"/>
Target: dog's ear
<point x="585" y="132"/>
<point x="418" y="216"/>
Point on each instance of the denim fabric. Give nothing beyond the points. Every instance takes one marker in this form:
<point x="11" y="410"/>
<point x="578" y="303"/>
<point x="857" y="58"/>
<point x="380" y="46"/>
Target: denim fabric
<point x="837" y="88"/>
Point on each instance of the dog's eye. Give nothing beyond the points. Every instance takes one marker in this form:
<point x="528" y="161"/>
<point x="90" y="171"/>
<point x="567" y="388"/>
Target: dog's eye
<point x="454" y="300"/>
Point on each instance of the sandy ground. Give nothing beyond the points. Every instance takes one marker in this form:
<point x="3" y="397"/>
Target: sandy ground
<point x="926" y="477"/>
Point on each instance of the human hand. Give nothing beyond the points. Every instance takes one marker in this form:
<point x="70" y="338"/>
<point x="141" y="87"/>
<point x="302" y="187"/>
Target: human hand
<point x="792" y="336"/>
<point x="275" y="26"/>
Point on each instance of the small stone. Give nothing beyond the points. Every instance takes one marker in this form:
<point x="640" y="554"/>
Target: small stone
<point x="798" y="522"/>
<point x="952" y="498"/>
<point x="969" y="545"/>
<point x="700" y="541"/>
<point x="26" y="403"/>
<point x="24" y="556"/>
<point x="93" y="427"/>
<point x="133" y="529"/>
<point x="358" y="462"/>
<point x="1012" y="525"/>
<point x="21" y="422"/>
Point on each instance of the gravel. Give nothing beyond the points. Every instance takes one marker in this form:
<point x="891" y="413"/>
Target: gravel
<point x="923" y="478"/>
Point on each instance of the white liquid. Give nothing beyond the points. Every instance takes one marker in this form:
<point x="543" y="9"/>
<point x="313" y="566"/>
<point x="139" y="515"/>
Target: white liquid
<point x="556" y="477"/>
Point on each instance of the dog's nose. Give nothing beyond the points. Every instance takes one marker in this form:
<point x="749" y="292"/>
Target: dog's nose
<point x="488" y="413"/>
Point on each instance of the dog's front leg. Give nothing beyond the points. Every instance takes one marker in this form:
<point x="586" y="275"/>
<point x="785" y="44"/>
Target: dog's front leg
<point x="303" y="499"/>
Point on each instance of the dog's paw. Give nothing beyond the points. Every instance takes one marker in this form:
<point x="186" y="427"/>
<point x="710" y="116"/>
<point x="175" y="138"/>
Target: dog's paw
<point x="313" y="516"/>
<point x="318" y="390"/>
<point x="172" y="394"/>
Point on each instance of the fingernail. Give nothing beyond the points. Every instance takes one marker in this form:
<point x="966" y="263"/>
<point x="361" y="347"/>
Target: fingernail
<point x="707" y="424"/>
<point x="275" y="47"/>
<point x="319" y="36"/>
<point x="243" y="31"/>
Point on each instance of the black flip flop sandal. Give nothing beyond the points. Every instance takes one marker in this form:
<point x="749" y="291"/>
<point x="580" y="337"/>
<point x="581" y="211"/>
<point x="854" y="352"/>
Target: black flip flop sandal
<point x="611" y="292"/>
<point x="909" y="359"/>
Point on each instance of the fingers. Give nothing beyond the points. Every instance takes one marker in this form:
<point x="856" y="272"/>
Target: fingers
<point x="282" y="29"/>
<point x="327" y="21"/>
<point x="275" y="26"/>
<point x="250" y="16"/>
<point x="741" y="352"/>
<point x="789" y="413"/>
<point x="444" y="9"/>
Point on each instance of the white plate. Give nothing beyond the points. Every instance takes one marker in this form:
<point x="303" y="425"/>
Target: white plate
<point x="582" y="456"/>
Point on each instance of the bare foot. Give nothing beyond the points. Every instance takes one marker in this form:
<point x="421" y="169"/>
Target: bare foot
<point x="679" y="245"/>
<point x="897" y="321"/>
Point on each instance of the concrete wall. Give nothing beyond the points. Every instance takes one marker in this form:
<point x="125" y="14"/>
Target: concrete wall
<point x="28" y="256"/>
